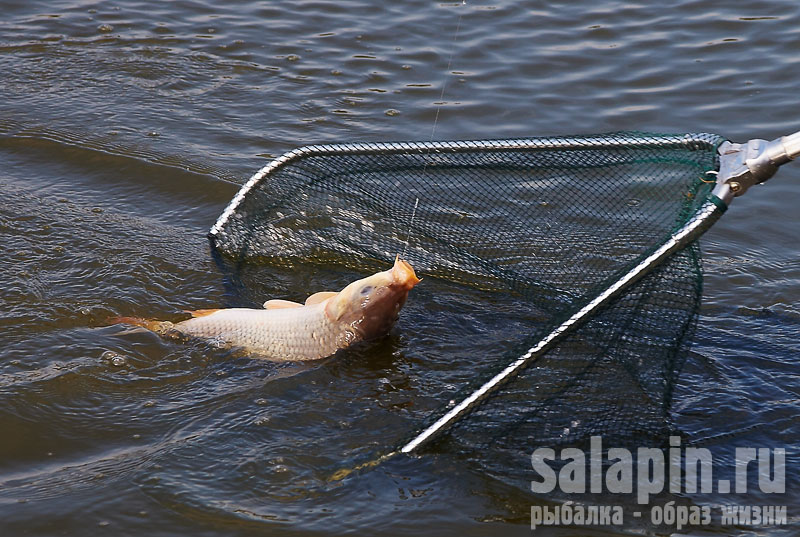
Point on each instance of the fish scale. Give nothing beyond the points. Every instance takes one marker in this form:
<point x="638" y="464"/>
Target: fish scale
<point x="301" y="333"/>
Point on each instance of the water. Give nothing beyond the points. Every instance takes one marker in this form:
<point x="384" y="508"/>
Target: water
<point x="125" y="129"/>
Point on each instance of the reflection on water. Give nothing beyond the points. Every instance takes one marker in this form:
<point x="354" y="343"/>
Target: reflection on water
<point x="124" y="131"/>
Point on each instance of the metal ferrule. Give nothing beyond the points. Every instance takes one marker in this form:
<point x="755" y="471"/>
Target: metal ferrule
<point x="751" y="163"/>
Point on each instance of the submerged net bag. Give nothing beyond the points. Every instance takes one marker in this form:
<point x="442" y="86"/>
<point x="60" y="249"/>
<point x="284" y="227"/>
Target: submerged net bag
<point x="555" y="222"/>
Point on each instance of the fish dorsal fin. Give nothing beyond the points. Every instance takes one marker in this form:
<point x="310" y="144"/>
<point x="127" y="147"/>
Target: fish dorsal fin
<point x="201" y="313"/>
<point x="322" y="296"/>
<point x="278" y="304"/>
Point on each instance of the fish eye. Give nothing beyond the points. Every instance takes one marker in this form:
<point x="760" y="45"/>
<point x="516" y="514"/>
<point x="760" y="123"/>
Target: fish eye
<point x="367" y="289"/>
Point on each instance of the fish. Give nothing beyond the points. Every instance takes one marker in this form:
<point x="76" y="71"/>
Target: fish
<point x="365" y="309"/>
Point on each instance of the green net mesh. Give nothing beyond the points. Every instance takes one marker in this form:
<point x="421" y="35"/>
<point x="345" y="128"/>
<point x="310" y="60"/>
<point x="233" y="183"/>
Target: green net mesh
<point x="549" y="221"/>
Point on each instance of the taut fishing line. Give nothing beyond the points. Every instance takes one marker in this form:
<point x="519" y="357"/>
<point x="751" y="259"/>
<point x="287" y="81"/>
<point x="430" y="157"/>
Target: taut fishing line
<point x="447" y="70"/>
<point x="439" y="104"/>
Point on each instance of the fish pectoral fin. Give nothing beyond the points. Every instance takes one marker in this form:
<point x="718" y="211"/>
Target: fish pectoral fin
<point x="322" y="296"/>
<point x="277" y="304"/>
<point x="201" y="313"/>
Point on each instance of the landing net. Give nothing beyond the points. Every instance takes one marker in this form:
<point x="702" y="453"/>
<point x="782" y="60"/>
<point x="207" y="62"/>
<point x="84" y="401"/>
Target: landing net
<point x="557" y="222"/>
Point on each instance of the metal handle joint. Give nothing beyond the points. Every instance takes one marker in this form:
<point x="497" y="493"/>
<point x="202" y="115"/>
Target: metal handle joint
<point x="744" y="165"/>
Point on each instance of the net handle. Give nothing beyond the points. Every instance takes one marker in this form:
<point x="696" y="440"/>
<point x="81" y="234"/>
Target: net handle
<point x="744" y="165"/>
<point x="791" y="145"/>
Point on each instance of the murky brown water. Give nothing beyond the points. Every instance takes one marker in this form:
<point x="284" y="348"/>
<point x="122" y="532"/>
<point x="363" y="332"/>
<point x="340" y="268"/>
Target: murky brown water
<point x="125" y="128"/>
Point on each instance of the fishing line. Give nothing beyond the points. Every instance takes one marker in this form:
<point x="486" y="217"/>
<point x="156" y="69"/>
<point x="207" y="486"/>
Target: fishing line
<point x="410" y="223"/>
<point x="439" y="104"/>
<point x="447" y="71"/>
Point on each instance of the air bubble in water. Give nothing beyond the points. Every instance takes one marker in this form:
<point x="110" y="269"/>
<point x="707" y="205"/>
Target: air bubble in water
<point x="116" y="359"/>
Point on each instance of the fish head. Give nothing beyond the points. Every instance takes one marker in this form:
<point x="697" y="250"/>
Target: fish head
<point x="368" y="308"/>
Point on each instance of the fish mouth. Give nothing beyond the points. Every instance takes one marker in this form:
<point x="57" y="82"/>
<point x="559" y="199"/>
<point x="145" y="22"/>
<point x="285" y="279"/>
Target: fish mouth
<point x="404" y="274"/>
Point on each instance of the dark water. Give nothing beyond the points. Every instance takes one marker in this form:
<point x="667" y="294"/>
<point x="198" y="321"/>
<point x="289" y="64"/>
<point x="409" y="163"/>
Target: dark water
<point x="126" y="127"/>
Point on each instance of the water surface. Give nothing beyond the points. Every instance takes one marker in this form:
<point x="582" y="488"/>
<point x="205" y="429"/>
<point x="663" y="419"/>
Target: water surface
<point x="125" y="128"/>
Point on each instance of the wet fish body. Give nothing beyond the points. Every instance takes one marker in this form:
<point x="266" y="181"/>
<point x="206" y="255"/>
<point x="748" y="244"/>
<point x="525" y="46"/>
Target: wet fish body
<point x="283" y="330"/>
<point x="300" y="333"/>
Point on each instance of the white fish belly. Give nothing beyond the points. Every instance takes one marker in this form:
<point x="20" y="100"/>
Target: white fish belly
<point x="302" y="333"/>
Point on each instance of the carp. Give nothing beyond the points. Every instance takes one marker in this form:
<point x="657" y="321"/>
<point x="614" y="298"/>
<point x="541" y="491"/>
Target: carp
<point x="328" y="321"/>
